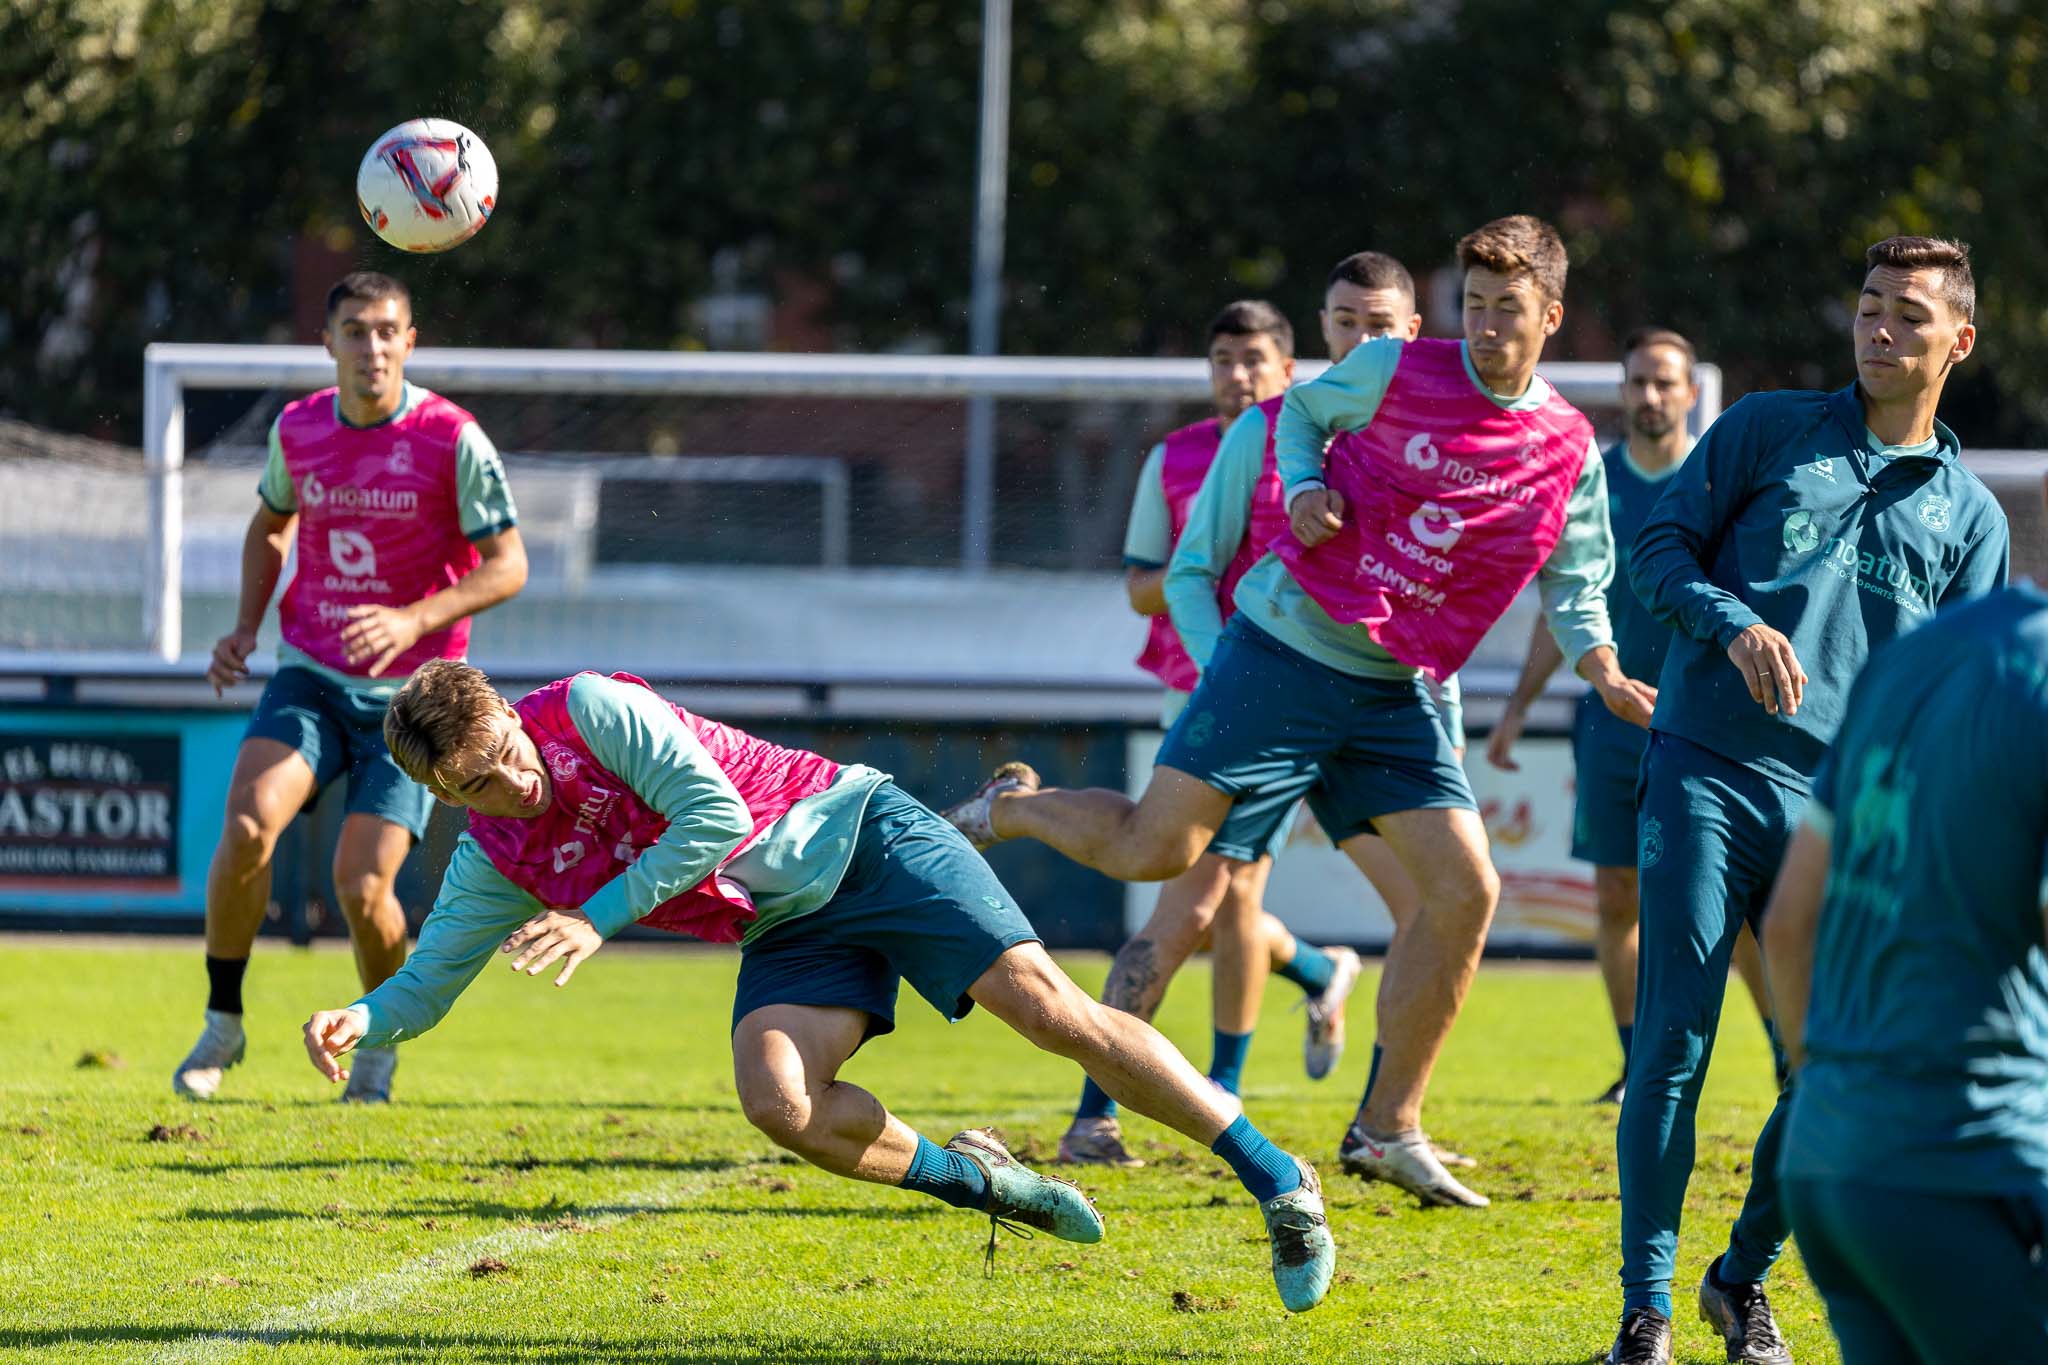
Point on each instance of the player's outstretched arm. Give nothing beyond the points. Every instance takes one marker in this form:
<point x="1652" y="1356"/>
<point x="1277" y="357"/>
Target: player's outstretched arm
<point x="565" y="936"/>
<point x="330" y="1034"/>
<point x="1791" y="923"/>
<point x="264" y="547"/>
<point x="1543" y="660"/>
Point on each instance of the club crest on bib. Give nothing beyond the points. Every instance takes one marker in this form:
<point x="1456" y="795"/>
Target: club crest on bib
<point x="1934" y="512"/>
<point x="1421" y="451"/>
<point x="561" y="762"/>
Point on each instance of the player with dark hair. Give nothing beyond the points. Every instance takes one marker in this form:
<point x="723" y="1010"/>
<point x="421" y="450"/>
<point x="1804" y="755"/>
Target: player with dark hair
<point x="1806" y="530"/>
<point x="396" y="503"/>
<point x="1219" y="900"/>
<point x="1909" y="957"/>
<point x="1408" y="465"/>
<point x="595" y="803"/>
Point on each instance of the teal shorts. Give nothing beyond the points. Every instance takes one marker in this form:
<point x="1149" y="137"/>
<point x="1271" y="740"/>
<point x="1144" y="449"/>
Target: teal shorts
<point x="917" y="904"/>
<point x="1269" y="726"/>
<point x="1607" y="760"/>
<point x="340" y="731"/>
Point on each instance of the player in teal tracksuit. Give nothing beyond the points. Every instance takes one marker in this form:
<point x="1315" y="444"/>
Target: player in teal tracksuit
<point x="1805" y="530"/>
<point x="1911" y="908"/>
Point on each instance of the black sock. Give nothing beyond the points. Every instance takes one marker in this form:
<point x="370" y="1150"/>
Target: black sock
<point x="224" y="983"/>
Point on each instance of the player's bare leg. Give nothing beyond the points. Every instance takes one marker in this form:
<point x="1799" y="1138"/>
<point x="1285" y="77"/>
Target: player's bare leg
<point x="1373" y="856"/>
<point x="1614" y="948"/>
<point x="1139" y="1068"/>
<point x="1155" y="838"/>
<point x="271" y="782"/>
<point x="1138" y="976"/>
<point x="1244" y="945"/>
<point x="1429" y="969"/>
<point x="367" y="857"/>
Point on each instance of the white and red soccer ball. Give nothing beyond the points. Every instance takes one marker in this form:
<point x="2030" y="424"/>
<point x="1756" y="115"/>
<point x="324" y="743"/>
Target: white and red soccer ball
<point x="427" y="185"/>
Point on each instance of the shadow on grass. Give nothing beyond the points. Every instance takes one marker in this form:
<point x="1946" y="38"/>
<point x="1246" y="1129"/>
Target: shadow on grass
<point x="705" y="1348"/>
<point x="517" y="1163"/>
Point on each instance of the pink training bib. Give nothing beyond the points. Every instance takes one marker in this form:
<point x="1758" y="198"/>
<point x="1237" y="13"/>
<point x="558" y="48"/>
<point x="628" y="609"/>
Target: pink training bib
<point x="379" y="524"/>
<point x="1190" y="452"/>
<point x="596" y="826"/>
<point x="1452" y="503"/>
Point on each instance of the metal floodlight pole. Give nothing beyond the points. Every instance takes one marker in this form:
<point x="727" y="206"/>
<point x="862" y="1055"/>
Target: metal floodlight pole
<point x="978" y="493"/>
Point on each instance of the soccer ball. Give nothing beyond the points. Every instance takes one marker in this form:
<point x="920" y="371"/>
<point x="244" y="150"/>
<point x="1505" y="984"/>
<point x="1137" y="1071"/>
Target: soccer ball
<point x="427" y="185"/>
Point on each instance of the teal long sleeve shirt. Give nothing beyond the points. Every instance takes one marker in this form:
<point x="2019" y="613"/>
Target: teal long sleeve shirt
<point x="1571" y="584"/>
<point x="794" y="867"/>
<point x="1790" y="514"/>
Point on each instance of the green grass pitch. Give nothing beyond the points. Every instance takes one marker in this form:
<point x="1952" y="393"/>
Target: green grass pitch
<point x="567" y="1177"/>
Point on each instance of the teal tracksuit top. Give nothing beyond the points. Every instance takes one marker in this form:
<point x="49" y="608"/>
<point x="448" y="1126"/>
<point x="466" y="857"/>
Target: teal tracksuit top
<point x="1790" y="513"/>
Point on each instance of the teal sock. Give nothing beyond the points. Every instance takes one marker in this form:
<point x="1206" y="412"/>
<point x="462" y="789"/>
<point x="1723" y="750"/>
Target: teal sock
<point x="1310" y="968"/>
<point x="1659" y="1299"/>
<point x="946" y="1175"/>
<point x="1264" y="1169"/>
<point x="1372" y="1076"/>
<point x="1095" y="1102"/>
<point x="1628" y="1041"/>
<point x="1226" y="1062"/>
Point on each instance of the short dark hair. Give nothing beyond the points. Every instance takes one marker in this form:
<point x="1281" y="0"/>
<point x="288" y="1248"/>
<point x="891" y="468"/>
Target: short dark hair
<point x="1518" y="244"/>
<point x="1642" y="338"/>
<point x="367" y="286"/>
<point x="1950" y="257"/>
<point x="1373" y="270"/>
<point x="1252" y="317"/>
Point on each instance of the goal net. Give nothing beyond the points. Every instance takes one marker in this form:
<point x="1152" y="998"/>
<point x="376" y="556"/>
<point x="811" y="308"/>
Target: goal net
<point x="742" y="517"/>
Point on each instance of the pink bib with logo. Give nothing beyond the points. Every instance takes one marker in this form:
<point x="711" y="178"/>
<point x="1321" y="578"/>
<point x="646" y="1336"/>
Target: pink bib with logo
<point x="379" y="523"/>
<point x="595" y="826"/>
<point x="1452" y="503"/>
<point x="1190" y="452"/>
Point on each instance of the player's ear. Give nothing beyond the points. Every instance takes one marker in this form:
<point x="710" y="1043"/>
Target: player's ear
<point x="1553" y="317"/>
<point x="1966" y="342"/>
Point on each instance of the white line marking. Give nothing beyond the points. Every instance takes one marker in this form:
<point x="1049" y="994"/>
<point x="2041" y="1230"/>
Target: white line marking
<point x="390" y="1287"/>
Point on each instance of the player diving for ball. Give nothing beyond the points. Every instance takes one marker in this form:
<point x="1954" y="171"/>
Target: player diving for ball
<point x="594" y="804"/>
<point x="405" y="530"/>
<point x="1427" y="482"/>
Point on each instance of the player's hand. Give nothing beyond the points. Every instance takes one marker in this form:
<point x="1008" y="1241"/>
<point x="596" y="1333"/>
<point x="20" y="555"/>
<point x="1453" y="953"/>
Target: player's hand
<point x="1776" y="681"/>
<point x="230" y="662"/>
<point x="1316" y="515"/>
<point x="1632" y="700"/>
<point x="1500" y="745"/>
<point x="380" y="634"/>
<point x="329" y="1034"/>
<point x="565" y="934"/>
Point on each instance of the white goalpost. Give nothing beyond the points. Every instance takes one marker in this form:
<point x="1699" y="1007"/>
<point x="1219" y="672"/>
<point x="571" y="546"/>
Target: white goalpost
<point x="174" y="372"/>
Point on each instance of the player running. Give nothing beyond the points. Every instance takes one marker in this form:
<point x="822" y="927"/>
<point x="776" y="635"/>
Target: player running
<point x="1806" y="530"/>
<point x="405" y="530"/>
<point x="595" y="803"/>
<point x="1906" y="944"/>
<point x="1657" y="391"/>
<point x="1237" y="515"/>
<point x="1220" y="900"/>
<point x="1444" y="460"/>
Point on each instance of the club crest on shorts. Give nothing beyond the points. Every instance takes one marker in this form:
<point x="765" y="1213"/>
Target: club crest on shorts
<point x="1651" y="846"/>
<point x="1934" y="512"/>
<point x="561" y="762"/>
